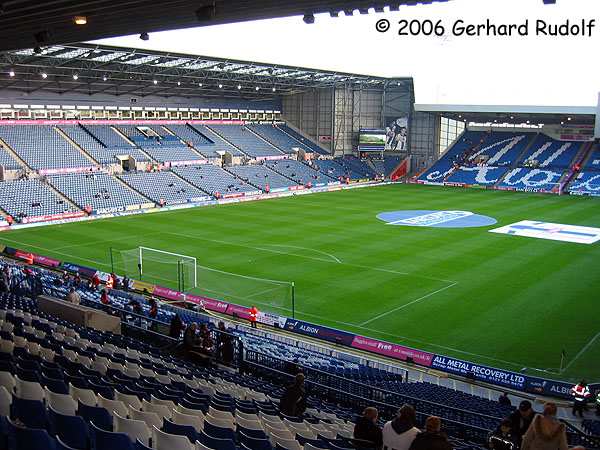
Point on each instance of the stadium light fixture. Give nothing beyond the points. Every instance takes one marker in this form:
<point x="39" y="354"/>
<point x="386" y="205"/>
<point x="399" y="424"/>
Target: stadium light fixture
<point x="200" y="85"/>
<point x="44" y="75"/>
<point x="256" y="88"/>
<point x="569" y="118"/>
<point x="80" y="20"/>
<point x="239" y="86"/>
<point x="104" y="78"/>
<point x="179" y="83"/>
<point x="274" y="89"/>
<point x="75" y="76"/>
<point x="155" y="81"/>
<point x="11" y="73"/>
<point x="309" y="18"/>
<point x="220" y="86"/>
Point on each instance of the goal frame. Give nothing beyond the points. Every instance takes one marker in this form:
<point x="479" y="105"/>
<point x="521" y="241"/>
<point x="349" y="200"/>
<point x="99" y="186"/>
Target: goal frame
<point x="164" y="252"/>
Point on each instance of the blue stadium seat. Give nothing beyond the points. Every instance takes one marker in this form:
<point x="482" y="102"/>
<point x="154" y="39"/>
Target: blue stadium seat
<point x="107" y="440"/>
<point x="72" y="430"/>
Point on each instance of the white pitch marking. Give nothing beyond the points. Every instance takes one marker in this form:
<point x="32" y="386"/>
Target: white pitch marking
<point x="336" y="259"/>
<point x="581" y="352"/>
<point x="398" y="308"/>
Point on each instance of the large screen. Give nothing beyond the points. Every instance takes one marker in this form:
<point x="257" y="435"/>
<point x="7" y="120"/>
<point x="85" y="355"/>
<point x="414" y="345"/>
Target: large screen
<point x="371" y="140"/>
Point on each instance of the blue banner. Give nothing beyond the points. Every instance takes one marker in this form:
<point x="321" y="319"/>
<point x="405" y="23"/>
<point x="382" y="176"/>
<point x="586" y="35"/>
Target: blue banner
<point x="317" y="331"/>
<point x="82" y="270"/>
<point x="549" y="388"/>
<point x="481" y="373"/>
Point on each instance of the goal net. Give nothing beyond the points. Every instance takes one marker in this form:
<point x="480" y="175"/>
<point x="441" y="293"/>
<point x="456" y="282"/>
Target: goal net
<point x="157" y="266"/>
<point x="183" y="273"/>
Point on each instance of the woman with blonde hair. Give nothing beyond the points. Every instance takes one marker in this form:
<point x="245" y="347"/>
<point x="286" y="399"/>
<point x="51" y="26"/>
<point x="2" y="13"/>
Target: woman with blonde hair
<point x="546" y="432"/>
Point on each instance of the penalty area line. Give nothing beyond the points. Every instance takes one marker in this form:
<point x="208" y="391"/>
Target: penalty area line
<point x="398" y="308"/>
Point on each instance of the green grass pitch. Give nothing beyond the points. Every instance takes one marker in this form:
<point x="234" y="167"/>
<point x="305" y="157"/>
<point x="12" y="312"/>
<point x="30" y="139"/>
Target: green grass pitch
<point x="500" y="300"/>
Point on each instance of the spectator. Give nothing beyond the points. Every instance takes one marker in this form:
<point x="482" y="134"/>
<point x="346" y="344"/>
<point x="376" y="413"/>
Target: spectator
<point x="504" y="400"/>
<point x="104" y="299"/>
<point x="206" y="341"/>
<point x="293" y="402"/>
<point x="95" y="282"/>
<point x="432" y="438"/>
<point x="153" y="308"/>
<point x="399" y="433"/>
<point x="367" y="431"/>
<point x="135" y="306"/>
<point x="176" y="327"/>
<point x="546" y="432"/>
<point x="581" y="394"/>
<point x="501" y="438"/>
<point x="253" y="316"/>
<point x="125" y="283"/>
<point x="598" y="403"/>
<point x="520" y="420"/>
<point x="73" y="297"/>
<point x="224" y="345"/>
<point x="190" y="341"/>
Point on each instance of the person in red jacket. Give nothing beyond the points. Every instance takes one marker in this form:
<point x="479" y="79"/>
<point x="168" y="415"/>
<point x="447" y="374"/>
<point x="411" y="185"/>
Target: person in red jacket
<point x="253" y="316"/>
<point x="95" y="281"/>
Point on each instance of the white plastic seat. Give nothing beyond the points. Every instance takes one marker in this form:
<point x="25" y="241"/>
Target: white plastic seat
<point x="8" y="381"/>
<point x="223" y="423"/>
<point x="190" y="412"/>
<point x="5" y="401"/>
<point x="128" y="399"/>
<point x="187" y="419"/>
<point x="28" y="390"/>
<point x="84" y="360"/>
<point x="19" y="341"/>
<point x="99" y="366"/>
<point x="249" y="424"/>
<point x="159" y="401"/>
<point x="280" y="434"/>
<point x="135" y="429"/>
<point x="201" y="446"/>
<point x="151" y="419"/>
<point x="306" y="434"/>
<point x="69" y="354"/>
<point x="86" y="396"/>
<point x="160" y="410"/>
<point x="164" y="379"/>
<point x="166" y="441"/>
<point x="61" y="403"/>
<point x="218" y="414"/>
<point x="47" y="354"/>
<point x="112" y="406"/>
<point x="308" y="446"/>
<point x="289" y="444"/>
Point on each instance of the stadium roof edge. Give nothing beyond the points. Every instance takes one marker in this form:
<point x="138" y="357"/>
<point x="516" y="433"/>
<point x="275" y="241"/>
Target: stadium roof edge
<point x="506" y="109"/>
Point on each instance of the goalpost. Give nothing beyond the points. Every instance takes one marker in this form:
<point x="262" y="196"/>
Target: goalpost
<point x="158" y="266"/>
<point x="182" y="272"/>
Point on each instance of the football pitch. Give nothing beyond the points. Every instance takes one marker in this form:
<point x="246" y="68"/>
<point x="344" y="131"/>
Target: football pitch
<point x="501" y="300"/>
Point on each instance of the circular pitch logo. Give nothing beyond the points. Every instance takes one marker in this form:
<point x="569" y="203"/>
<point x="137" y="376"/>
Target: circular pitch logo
<point x="437" y="219"/>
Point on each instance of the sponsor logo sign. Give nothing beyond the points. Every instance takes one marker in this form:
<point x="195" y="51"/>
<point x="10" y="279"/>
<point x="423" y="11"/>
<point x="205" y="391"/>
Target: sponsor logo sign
<point x="478" y="372"/>
<point x="392" y="350"/>
<point x="438" y="219"/>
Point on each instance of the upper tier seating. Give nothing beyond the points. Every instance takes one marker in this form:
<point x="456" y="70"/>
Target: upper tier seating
<point x="278" y="138"/>
<point x="550" y="153"/>
<point x="355" y="168"/>
<point x="100" y="191"/>
<point x="299" y="172"/>
<point x="310" y="144"/>
<point x="42" y="147"/>
<point x="524" y="179"/>
<point x="204" y="140"/>
<point x="213" y="179"/>
<point x="115" y="144"/>
<point x="593" y="162"/>
<point x="245" y="140"/>
<point x="502" y="148"/>
<point x="587" y="182"/>
<point x="164" y="186"/>
<point x="170" y="153"/>
<point x="90" y="144"/>
<point x="330" y="167"/>
<point x="386" y="165"/>
<point x="261" y="176"/>
<point x="7" y="160"/>
<point x="107" y="135"/>
<point x="29" y="198"/>
<point x="479" y="175"/>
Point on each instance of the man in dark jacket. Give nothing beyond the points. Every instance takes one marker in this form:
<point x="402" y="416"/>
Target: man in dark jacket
<point x="502" y="438"/>
<point x="432" y="438"/>
<point x="520" y="421"/>
<point x="293" y="402"/>
<point x="367" y="431"/>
